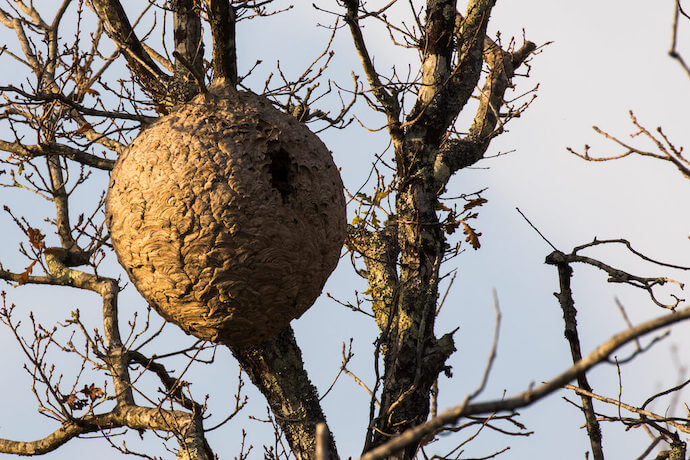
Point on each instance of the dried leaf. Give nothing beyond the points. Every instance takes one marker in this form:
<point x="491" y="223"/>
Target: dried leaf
<point x="24" y="276"/>
<point x="472" y="236"/>
<point x="379" y="195"/>
<point x="474" y="203"/>
<point x="442" y="207"/>
<point x="73" y="402"/>
<point x="84" y="128"/>
<point x="364" y="198"/>
<point x="92" y="392"/>
<point x="451" y="226"/>
<point x="36" y="238"/>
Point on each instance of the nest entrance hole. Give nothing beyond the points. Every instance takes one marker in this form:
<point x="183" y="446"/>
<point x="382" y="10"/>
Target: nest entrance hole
<point x="281" y="172"/>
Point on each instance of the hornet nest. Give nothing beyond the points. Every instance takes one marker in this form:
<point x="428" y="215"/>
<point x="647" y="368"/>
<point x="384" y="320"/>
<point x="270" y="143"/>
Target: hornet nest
<point x="228" y="216"/>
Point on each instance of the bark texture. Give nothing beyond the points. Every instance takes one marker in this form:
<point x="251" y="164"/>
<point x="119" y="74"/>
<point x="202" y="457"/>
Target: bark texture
<point x="276" y="368"/>
<point x="228" y="215"/>
<point x="120" y="30"/>
<point x="403" y="259"/>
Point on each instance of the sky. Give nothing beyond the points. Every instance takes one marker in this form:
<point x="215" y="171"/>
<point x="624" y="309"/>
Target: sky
<point x="605" y="58"/>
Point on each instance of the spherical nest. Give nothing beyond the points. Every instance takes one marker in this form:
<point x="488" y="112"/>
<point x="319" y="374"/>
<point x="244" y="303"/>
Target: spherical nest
<point x="228" y="216"/>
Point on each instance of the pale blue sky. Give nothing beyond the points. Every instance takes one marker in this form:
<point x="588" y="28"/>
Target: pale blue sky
<point x="606" y="58"/>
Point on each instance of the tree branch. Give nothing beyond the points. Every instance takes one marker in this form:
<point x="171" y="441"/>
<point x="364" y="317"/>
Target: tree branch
<point x="456" y="154"/>
<point x="502" y="67"/>
<point x="73" y="154"/>
<point x="276" y="368"/>
<point x="222" y="17"/>
<point x="188" y="42"/>
<point x="172" y="385"/>
<point x="139" y="418"/>
<point x="69" y="102"/>
<point x="643" y="413"/>
<point x="119" y="29"/>
<point x="388" y="101"/>
<point x="618" y="276"/>
<point x="565" y="299"/>
<point x="673" y="52"/>
<point x="380" y="253"/>
<point x="667" y="150"/>
<point x="451" y="416"/>
<point x="437" y="113"/>
<point x="437" y="51"/>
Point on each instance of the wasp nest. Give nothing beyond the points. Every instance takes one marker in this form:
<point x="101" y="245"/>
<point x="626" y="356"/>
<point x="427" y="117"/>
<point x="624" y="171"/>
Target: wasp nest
<point x="228" y="216"/>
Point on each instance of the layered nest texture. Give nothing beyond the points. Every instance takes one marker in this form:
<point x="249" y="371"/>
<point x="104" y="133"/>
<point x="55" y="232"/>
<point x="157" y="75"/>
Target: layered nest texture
<point x="228" y="216"/>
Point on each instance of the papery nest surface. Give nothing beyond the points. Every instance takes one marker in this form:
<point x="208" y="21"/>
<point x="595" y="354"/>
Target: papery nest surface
<point x="228" y="216"/>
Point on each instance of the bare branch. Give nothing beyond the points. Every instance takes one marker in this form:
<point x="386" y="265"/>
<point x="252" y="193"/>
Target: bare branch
<point x="276" y="368"/>
<point x="667" y="151"/>
<point x="379" y="250"/>
<point x="674" y="422"/>
<point x="619" y="276"/>
<point x="172" y="385"/>
<point x="437" y="113"/>
<point x="121" y="32"/>
<point x="69" y="102"/>
<point x="456" y="154"/>
<point x="56" y="149"/>
<point x="138" y="418"/>
<point x="388" y="101"/>
<point x="451" y="416"/>
<point x="565" y="299"/>
<point x="673" y="52"/>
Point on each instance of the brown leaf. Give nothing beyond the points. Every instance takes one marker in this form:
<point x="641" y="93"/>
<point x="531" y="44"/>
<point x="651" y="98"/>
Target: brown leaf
<point x="451" y="226"/>
<point x="92" y="392"/>
<point x="36" y="238"/>
<point x="375" y="220"/>
<point x="73" y="402"/>
<point x="474" y="203"/>
<point x="472" y="236"/>
<point x="442" y="207"/>
<point x="84" y="128"/>
<point x="24" y="276"/>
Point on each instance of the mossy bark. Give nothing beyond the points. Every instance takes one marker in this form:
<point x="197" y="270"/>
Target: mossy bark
<point x="277" y="370"/>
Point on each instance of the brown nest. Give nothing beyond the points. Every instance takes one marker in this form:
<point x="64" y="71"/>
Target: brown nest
<point x="228" y="216"/>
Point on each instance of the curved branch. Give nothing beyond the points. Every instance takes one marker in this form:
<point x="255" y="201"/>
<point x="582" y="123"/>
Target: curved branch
<point x="456" y="154"/>
<point x="135" y="417"/>
<point x="451" y="416"/>
<point x="172" y="385"/>
<point x="388" y="101"/>
<point x="121" y="32"/>
<point x="619" y="276"/>
<point x="75" y="155"/>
